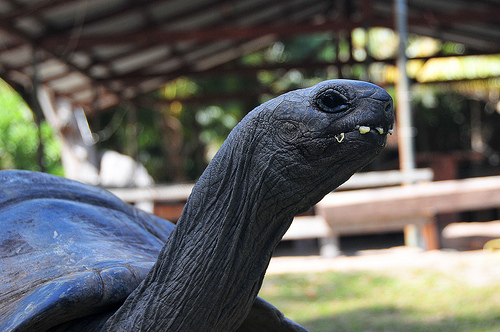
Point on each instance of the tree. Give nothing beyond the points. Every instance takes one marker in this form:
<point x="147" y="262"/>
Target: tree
<point x="19" y="136"/>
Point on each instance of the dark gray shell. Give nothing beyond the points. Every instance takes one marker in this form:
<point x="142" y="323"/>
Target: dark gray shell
<point x="68" y="250"/>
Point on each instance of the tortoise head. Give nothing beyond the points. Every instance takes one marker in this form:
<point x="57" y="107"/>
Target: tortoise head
<point x="310" y="141"/>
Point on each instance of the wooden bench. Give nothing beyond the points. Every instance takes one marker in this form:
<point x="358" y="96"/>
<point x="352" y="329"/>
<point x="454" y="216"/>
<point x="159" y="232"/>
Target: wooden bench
<point x="373" y="210"/>
<point x="471" y="235"/>
<point x="409" y="208"/>
<point x="317" y="227"/>
<point x="314" y="227"/>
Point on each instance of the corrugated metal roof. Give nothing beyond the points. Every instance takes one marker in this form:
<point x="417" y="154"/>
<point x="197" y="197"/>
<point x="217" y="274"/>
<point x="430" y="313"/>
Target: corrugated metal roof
<point x="126" y="48"/>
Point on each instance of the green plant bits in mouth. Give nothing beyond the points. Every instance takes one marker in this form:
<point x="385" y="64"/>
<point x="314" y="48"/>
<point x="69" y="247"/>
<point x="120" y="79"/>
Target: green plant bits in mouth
<point x="380" y="130"/>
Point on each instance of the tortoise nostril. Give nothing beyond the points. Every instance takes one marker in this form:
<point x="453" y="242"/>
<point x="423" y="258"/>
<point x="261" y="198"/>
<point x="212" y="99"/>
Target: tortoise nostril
<point x="388" y="107"/>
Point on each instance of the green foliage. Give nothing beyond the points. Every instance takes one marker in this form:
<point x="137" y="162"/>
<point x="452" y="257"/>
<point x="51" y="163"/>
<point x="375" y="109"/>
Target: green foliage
<point x="382" y="43"/>
<point x="176" y="140"/>
<point x="116" y="133"/>
<point x="19" y="136"/>
<point x="446" y="121"/>
<point x="368" y="301"/>
<point x="443" y="121"/>
<point x="206" y="126"/>
<point x="200" y="126"/>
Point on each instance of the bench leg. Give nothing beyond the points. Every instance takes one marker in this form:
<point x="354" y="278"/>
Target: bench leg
<point x="413" y="236"/>
<point x="329" y="246"/>
<point x="430" y="234"/>
<point x="422" y="235"/>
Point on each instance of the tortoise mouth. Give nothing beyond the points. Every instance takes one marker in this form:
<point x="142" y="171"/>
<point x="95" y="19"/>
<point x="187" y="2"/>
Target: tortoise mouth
<point x="364" y="130"/>
<point x="378" y="129"/>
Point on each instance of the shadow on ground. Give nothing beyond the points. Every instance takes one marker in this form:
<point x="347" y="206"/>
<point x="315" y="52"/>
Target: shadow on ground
<point x="349" y="245"/>
<point x="393" y="299"/>
<point x="391" y="319"/>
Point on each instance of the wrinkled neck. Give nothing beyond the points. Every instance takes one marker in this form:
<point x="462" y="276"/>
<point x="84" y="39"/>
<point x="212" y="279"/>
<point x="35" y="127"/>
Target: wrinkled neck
<point x="210" y="271"/>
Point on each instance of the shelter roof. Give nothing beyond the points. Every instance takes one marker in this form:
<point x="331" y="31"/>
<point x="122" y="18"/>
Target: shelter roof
<point x="98" y="53"/>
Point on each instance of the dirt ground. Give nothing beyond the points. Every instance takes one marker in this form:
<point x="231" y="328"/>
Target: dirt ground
<point x="477" y="267"/>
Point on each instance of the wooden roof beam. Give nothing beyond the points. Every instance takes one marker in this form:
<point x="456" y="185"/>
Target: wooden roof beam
<point x="192" y="66"/>
<point x="450" y="18"/>
<point x="176" y="53"/>
<point x="4" y="25"/>
<point x="169" y="37"/>
<point x="152" y="36"/>
<point x="238" y="32"/>
<point x="206" y="98"/>
<point x="27" y="10"/>
<point x="169" y="21"/>
<point x="237" y="70"/>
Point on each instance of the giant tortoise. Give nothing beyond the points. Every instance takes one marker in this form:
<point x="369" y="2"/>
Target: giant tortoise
<point x="76" y="258"/>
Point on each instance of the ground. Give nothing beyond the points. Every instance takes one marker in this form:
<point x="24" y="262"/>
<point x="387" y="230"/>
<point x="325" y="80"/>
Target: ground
<point x="475" y="267"/>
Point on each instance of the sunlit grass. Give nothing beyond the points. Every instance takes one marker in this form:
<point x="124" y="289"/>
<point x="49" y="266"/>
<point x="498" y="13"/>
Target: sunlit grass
<point x="368" y="301"/>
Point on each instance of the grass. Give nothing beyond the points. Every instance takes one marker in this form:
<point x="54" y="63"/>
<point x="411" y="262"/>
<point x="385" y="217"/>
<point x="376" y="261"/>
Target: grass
<point x="420" y="300"/>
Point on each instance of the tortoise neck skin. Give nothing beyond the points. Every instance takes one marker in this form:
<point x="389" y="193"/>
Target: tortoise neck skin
<point x="279" y="161"/>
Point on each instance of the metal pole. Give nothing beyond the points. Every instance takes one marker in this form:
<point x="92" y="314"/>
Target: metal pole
<point x="403" y="109"/>
<point x="413" y="234"/>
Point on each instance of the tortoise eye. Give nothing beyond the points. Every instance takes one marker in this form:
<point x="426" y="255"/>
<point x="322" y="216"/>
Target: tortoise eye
<point x="332" y="101"/>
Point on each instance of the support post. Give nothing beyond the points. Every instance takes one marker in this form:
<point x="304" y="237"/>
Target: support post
<point x="35" y="108"/>
<point x="413" y="233"/>
<point x="329" y="246"/>
<point x="403" y="109"/>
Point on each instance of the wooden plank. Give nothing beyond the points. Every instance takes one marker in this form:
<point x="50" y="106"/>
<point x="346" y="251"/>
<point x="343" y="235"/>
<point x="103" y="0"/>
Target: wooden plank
<point x="169" y="211"/>
<point x="464" y="229"/>
<point x="386" y="178"/>
<point x="308" y="227"/>
<point x="471" y="235"/>
<point x="160" y="193"/>
<point x="372" y="226"/>
<point x="314" y="227"/>
<point x="415" y="201"/>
